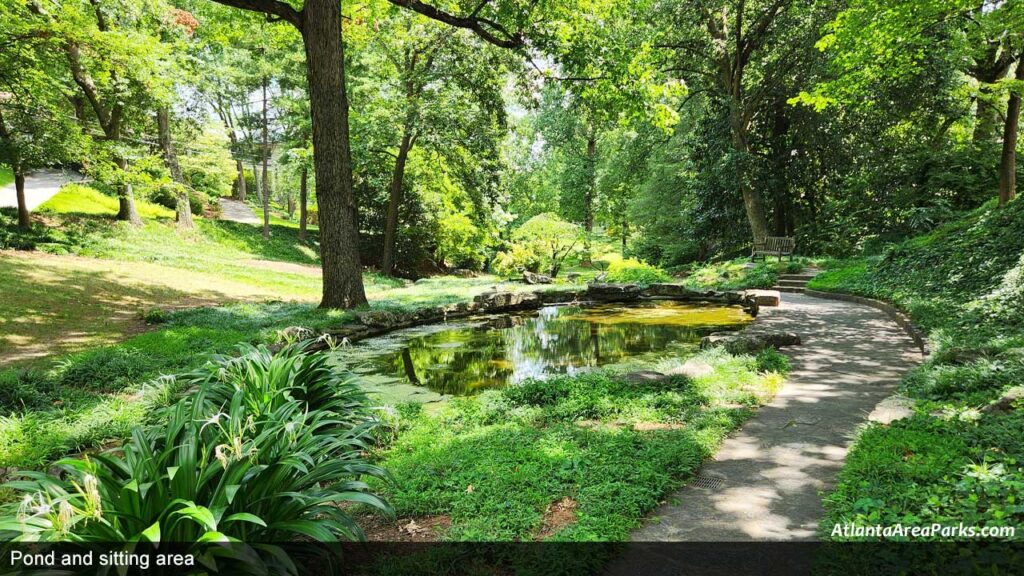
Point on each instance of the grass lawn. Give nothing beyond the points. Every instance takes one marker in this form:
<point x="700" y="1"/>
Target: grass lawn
<point x="6" y="176"/>
<point x="579" y="458"/>
<point x="956" y="460"/>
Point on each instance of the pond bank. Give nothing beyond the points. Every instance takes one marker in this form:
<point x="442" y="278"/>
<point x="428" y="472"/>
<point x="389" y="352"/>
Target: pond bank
<point x="379" y="322"/>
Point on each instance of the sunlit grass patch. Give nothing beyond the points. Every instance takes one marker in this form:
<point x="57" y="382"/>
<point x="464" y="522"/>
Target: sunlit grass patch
<point x="80" y="199"/>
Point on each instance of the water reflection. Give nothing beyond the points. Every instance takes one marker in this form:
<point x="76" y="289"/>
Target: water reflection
<point x="495" y="351"/>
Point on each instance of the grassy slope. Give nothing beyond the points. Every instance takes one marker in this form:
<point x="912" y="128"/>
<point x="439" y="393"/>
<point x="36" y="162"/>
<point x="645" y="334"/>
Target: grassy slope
<point x="6" y="176"/>
<point x="951" y="462"/>
<point x="495" y="463"/>
<point x="63" y="303"/>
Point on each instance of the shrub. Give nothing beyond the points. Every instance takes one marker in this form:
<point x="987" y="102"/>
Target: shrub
<point x="460" y="243"/>
<point x="243" y="458"/>
<point x="25" y="390"/>
<point x="635" y="271"/>
<point x="516" y="259"/>
<point x="542" y="243"/>
<point x="107" y="368"/>
<point x="771" y="360"/>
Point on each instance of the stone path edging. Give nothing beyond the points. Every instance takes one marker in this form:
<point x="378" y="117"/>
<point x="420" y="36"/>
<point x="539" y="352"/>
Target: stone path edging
<point x="895" y="313"/>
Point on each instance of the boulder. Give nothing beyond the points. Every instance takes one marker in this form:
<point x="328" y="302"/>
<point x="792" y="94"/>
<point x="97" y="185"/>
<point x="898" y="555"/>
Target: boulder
<point x="677" y="291"/>
<point x="1013" y="397"/>
<point x="644" y="377"/>
<point x="613" y="292"/>
<point x="573" y="276"/>
<point x="494" y="301"/>
<point x="560" y="296"/>
<point x="764" y="297"/>
<point x="532" y="278"/>
<point x="892" y="409"/>
<point x="749" y="342"/>
<point x="295" y="334"/>
<point x="381" y="319"/>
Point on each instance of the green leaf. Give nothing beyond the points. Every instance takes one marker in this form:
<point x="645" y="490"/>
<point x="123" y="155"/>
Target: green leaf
<point x="152" y="533"/>
<point x="245" y="517"/>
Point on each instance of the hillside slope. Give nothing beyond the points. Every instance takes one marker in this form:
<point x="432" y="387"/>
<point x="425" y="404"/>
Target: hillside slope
<point x="959" y="457"/>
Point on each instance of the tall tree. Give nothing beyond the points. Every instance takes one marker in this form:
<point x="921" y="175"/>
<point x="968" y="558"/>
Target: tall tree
<point x="183" y="208"/>
<point x="319" y="22"/>
<point x="113" y="69"/>
<point x="37" y="127"/>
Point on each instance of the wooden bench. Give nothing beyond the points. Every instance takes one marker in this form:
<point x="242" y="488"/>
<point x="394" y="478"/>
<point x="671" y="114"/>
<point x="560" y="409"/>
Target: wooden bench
<point x="773" y="246"/>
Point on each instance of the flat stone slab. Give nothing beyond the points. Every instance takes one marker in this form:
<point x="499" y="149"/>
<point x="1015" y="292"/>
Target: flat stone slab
<point x="892" y="409"/>
<point x="765" y="297"/>
<point x="775" y="467"/>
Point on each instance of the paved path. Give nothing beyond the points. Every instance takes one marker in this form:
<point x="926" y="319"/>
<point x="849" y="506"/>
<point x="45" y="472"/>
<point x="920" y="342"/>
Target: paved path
<point x="39" y="187"/>
<point x="237" y="211"/>
<point x="773" y="469"/>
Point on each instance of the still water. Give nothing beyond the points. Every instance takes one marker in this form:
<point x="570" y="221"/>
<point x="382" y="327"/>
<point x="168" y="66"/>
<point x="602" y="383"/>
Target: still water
<point x="484" y="352"/>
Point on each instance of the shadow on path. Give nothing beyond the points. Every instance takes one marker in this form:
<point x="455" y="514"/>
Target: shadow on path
<point x="770" y="474"/>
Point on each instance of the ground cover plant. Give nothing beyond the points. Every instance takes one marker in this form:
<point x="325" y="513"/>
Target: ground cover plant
<point x="600" y="445"/>
<point x="264" y="448"/>
<point x="48" y="408"/>
<point x="958" y="458"/>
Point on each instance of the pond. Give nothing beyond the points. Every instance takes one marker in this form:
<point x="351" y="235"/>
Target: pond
<point x="492" y="351"/>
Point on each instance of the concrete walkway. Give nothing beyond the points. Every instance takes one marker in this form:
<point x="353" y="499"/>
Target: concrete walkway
<point x="765" y="481"/>
<point x="237" y="211"/>
<point x="40" y="186"/>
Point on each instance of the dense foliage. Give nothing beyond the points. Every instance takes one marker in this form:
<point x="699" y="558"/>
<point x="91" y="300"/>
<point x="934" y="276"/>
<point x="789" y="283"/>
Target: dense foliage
<point x="496" y="462"/>
<point x="955" y="460"/>
<point x="264" y="448"/>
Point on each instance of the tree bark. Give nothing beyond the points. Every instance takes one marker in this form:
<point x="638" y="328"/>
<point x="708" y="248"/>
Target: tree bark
<point x="265" y="153"/>
<point x="1008" y="162"/>
<point x="387" y="265"/>
<point x="753" y="203"/>
<point x="24" y="220"/>
<point x="182" y="205"/>
<point x="240" y="192"/>
<point x="339" y="236"/>
<point x="303" y="202"/>
<point x="108" y="118"/>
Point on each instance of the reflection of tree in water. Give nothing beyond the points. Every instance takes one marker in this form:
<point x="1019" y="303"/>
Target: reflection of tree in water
<point x="514" y="347"/>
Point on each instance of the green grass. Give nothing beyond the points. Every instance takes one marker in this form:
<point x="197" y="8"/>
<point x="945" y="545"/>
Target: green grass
<point x="964" y="284"/>
<point x="6" y="176"/>
<point x="61" y="405"/>
<point x="83" y="200"/>
<point x="495" y="462"/>
<point x="738" y="275"/>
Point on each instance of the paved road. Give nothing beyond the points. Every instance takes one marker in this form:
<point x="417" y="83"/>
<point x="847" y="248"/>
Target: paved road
<point x="237" y="211"/>
<point x="39" y="187"/>
<point x="773" y="470"/>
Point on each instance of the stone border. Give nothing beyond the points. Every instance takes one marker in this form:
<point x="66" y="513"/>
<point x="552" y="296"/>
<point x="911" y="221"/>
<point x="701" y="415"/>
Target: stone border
<point x="379" y="322"/>
<point x="920" y="340"/>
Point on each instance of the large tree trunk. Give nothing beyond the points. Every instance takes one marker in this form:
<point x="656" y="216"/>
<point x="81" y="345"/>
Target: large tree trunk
<point x="126" y="210"/>
<point x="240" y="191"/>
<point x="339" y="236"/>
<point x="387" y="265"/>
<point x="19" y="178"/>
<point x="752" y="200"/>
<point x="303" y="202"/>
<point x="265" y="152"/>
<point x="24" y="220"/>
<point x="182" y="205"/>
<point x="1008" y="162"/>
